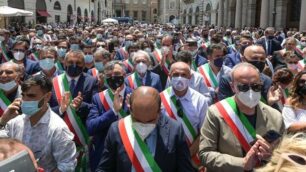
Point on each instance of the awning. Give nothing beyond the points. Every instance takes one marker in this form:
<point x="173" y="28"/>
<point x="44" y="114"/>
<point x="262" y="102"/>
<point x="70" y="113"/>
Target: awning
<point x="43" y="13"/>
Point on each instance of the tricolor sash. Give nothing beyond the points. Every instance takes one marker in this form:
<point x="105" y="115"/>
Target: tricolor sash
<point x="194" y="66"/>
<point x="136" y="149"/>
<point x="158" y="55"/>
<point x="238" y="123"/>
<point x="129" y="64"/>
<point x="124" y="53"/>
<point x="74" y="123"/>
<point x="285" y="95"/>
<point x="301" y="64"/>
<point x="59" y="66"/>
<point x="134" y="80"/>
<point x="107" y="100"/>
<point x="34" y="56"/>
<point x="94" y="72"/>
<point x="4" y="102"/>
<point x="210" y="78"/>
<point x="4" y="53"/>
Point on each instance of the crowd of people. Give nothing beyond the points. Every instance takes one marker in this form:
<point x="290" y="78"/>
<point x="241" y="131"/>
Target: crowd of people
<point x="154" y="98"/>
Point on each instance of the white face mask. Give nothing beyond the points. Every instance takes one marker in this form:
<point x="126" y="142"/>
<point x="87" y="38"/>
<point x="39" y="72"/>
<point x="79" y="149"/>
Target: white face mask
<point x="249" y="98"/>
<point x="141" y="68"/>
<point x="19" y="55"/>
<point x="179" y="83"/>
<point x="144" y="130"/>
<point x="8" y="86"/>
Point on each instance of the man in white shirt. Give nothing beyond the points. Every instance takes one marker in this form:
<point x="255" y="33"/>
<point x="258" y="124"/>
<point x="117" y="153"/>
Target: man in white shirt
<point x="32" y="121"/>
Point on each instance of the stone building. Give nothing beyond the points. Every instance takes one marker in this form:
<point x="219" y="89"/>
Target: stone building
<point x="168" y="10"/>
<point x="140" y="10"/>
<point x="240" y="13"/>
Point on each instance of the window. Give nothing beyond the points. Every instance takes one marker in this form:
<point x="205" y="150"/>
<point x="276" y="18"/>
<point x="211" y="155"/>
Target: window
<point x="57" y="18"/>
<point x="135" y="15"/>
<point x="105" y="3"/>
<point x="143" y="14"/>
<point x="172" y="5"/>
<point x="155" y="11"/>
<point x="127" y="13"/>
<point x="57" y="6"/>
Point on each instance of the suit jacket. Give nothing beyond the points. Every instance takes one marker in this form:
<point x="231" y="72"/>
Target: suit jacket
<point x="172" y="153"/>
<point x="98" y="122"/>
<point x="232" y="59"/>
<point x="88" y="86"/>
<point x="275" y="45"/>
<point x="31" y="67"/>
<point x="220" y="150"/>
<point x="152" y="80"/>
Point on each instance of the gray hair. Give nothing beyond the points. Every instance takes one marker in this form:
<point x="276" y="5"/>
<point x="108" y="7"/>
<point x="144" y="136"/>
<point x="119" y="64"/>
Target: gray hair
<point x="241" y="65"/>
<point x="75" y="52"/>
<point x="102" y="52"/>
<point x="110" y="65"/>
<point x="48" y="49"/>
<point x="140" y="53"/>
<point x="19" y="68"/>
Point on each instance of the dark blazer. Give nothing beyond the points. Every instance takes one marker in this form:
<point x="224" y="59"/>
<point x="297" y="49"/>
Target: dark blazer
<point x="88" y="86"/>
<point x="31" y="67"/>
<point x="275" y="45"/>
<point x="98" y="123"/>
<point x="152" y="80"/>
<point x="232" y="59"/>
<point x="172" y="153"/>
<point x="226" y="91"/>
<point x="200" y="60"/>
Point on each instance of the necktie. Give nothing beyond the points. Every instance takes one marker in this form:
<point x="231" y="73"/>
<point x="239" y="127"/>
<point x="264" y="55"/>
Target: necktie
<point x="270" y="47"/>
<point x="178" y="106"/>
<point x="72" y="86"/>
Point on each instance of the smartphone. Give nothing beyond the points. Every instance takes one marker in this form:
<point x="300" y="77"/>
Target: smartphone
<point x="271" y="136"/>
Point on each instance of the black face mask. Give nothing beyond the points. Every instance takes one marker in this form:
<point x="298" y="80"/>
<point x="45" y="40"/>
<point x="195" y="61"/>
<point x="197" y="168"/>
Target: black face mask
<point x="302" y="90"/>
<point x="115" y="82"/>
<point x="258" y="64"/>
<point x="242" y="48"/>
<point x="74" y="70"/>
<point x="270" y="37"/>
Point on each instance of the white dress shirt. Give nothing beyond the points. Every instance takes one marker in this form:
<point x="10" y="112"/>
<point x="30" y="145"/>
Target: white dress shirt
<point x="291" y="116"/>
<point x="50" y="140"/>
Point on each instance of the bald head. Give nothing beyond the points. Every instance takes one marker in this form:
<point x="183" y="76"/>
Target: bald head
<point x="255" y="53"/>
<point x="145" y="104"/>
<point x="180" y="69"/>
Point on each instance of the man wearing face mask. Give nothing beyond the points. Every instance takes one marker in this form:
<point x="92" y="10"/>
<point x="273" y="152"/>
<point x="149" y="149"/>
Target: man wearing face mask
<point x="101" y="57"/>
<point x="88" y="50"/>
<point x="145" y="136"/>
<point x="10" y="74"/>
<point x="185" y="105"/>
<point x="122" y="53"/>
<point x="47" y="61"/>
<point x="231" y="134"/>
<point x="37" y="46"/>
<point x="19" y="50"/>
<point x="197" y="59"/>
<point x="255" y="55"/>
<point x="142" y="76"/>
<point x="214" y="69"/>
<point x="269" y="42"/>
<point x="107" y="107"/>
<point x="31" y="120"/>
<point x="75" y="43"/>
<point x="62" y="49"/>
<point x="74" y="85"/>
<point x="132" y="49"/>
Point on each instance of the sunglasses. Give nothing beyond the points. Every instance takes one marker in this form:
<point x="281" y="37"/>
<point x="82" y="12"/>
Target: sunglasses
<point x="246" y="87"/>
<point x="296" y="159"/>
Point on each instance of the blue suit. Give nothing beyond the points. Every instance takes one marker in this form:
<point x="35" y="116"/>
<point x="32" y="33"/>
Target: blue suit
<point x="88" y="86"/>
<point x="151" y="79"/>
<point x="119" y="55"/>
<point x="200" y="60"/>
<point x="98" y="123"/>
<point x="171" y="154"/>
<point x="232" y="59"/>
<point x="31" y="67"/>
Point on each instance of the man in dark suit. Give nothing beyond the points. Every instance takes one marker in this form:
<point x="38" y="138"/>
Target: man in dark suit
<point x="107" y="107"/>
<point x="162" y="139"/>
<point x="269" y="42"/>
<point x="81" y="87"/>
<point x="142" y="76"/>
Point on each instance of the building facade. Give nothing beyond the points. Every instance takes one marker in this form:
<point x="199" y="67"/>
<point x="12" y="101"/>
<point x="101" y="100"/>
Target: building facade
<point x="241" y="13"/>
<point x="54" y="11"/>
<point x="140" y="10"/>
<point x="169" y="10"/>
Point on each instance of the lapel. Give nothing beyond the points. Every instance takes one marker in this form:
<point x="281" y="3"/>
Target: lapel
<point x="124" y="106"/>
<point x="261" y="120"/>
<point x="79" y="86"/>
<point x="162" y="142"/>
<point x="148" y="79"/>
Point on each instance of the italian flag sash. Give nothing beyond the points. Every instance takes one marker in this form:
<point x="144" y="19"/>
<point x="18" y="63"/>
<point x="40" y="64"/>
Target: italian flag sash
<point x="134" y="80"/>
<point x="107" y="99"/>
<point x="59" y="66"/>
<point x="194" y="65"/>
<point x="158" y="55"/>
<point x="4" y="52"/>
<point x="94" y="72"/>
<point x="238" y="123"/>
<point x="4" y="102"/>
<point x="136" y="149"/>
<point x="210" y="78"/>
<point x="285" y="95"/>
<point x="301" y="64"/>
<point x="129" y="64"/>
<point x="124" y="53"/>
<point x="35" y="56"/>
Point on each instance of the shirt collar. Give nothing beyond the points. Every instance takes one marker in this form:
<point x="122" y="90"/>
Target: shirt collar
<point x="187" y="96"/>
<point x="75" y="79"/>
<point x="121" y="93"/>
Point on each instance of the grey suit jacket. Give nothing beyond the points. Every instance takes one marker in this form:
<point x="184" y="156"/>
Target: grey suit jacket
<point x="220" y="150"/>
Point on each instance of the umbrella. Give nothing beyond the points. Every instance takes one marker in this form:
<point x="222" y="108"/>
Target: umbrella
<point x="110" y="20"/>
<point x="12" y="12"/>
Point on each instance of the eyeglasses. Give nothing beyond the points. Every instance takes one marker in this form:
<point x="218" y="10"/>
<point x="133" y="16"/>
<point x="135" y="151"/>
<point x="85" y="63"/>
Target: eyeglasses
<point x="246" y="87"/>
<point x="296" y="159"/>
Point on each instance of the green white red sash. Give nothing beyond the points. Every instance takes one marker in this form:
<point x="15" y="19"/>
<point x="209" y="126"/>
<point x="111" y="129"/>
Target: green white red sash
<point x="59" y="66"/>
<point x="124" y="53"/>
<point x="94" y="72"/>
<point x="134" y="80"/>
<point x="136" y="149"/>
<point x="4" y="102"/>
<point x="35" y="56"/>
<point x="158" y="55"/>
<point x="210" y="78"/>
<point x="107" y="100"/>
<point x="4" y="52"/>
<point x="285" y="95"/>
<point x="301" y="64"/>
<point x="194" y="65"/>
<point x="237" y="122"/>
<point x="129" y="64"/>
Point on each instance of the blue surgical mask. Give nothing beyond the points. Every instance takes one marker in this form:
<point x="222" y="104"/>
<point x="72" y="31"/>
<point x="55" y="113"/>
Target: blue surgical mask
<point x="29" y="108"/>
<point x="46" y="64"/>
<point x="74" y="47"/>
<point x="8" y="86"/>
<point x="40" y="32"/>
<point x="88" y="58"/>
<point x="218" y="62"/>
<point x="99" y="66"/>
<point x="61" y="52"/>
